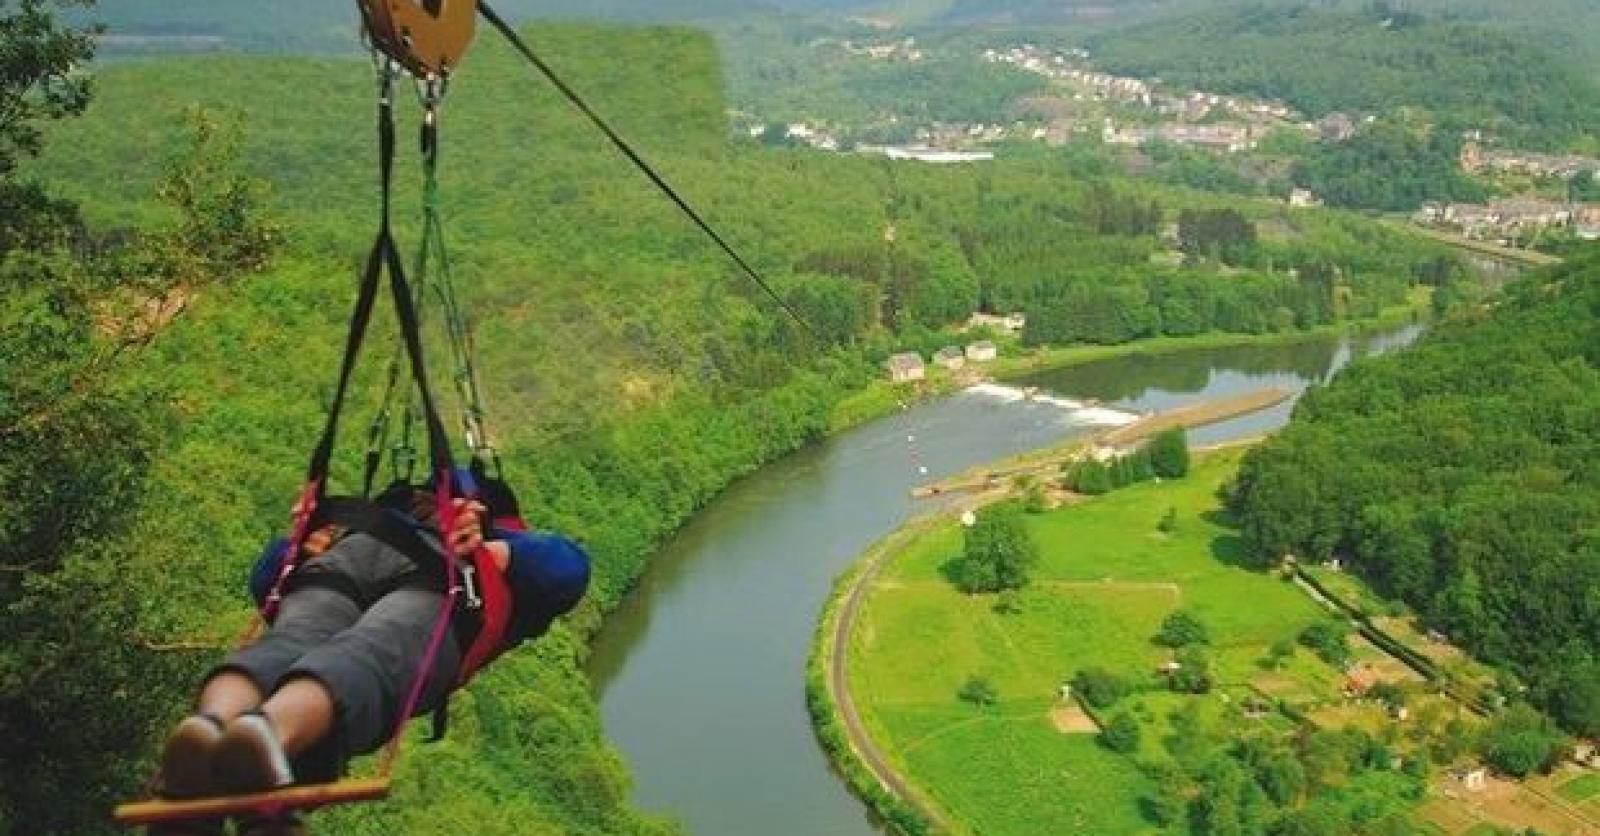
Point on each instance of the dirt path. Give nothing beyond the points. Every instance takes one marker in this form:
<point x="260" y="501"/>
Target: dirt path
<point x="839" y="687"/>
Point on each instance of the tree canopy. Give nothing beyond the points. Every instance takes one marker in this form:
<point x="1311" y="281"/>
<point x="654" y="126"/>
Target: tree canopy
<point x="1460" y="477"/>
<point x="997" y="553"/>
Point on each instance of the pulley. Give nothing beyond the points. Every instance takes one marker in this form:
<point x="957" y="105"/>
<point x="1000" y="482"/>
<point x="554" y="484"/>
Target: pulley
<point x="427" y="37"/>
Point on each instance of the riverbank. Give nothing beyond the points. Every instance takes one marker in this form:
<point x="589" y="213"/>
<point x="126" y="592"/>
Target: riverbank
<point x="888" y="759"/>
<point x="881" y="397"/>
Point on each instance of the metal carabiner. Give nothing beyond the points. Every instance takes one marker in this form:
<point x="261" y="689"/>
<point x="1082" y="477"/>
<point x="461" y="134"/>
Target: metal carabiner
<point x="469" y="585"/>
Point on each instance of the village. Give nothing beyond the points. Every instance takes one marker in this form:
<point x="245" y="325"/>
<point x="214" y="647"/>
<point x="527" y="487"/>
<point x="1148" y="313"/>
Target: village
<point x="1119" y="110"/>
<point x="1524" y="219"/>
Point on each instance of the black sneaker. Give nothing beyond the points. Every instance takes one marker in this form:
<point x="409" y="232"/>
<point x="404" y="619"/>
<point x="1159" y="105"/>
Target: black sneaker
<point x="249" y="758"/>
<point x="197" y="827"/>
<point x="186" y="773"/>
<point x="186" y="758"/>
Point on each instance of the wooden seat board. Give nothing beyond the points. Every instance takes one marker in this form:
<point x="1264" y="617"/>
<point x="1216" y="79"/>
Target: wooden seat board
<point x="293" y="798"/>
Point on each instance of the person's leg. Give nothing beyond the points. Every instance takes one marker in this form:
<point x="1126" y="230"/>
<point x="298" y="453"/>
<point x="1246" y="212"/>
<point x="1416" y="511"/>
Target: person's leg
<point x="356" y="683"/>
<point x="307" y="618"/>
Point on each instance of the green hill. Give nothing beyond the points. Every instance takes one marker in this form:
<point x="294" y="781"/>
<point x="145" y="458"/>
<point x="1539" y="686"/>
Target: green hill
<point x="1323" y="60"/>
<point x="1460" y="477"/>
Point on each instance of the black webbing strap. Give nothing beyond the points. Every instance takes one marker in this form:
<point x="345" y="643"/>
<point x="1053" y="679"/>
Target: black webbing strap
<point x="385" y="526"/>
<point x="367" y="292"/>
<point x="384" y="257"/>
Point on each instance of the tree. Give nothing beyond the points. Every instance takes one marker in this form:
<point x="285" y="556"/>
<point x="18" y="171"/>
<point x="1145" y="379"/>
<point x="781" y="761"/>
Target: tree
<point x="1521" y="741"/>
<point x="1229" y="802"/>
<point x="1574" y="692"/>
<point x="1181" y="629"/>
<point x="1282" y="776"/>
<point x="1168" y="805"/>
<point x="1193" y="675"/>
<point x="1121" y="734"/>
<point x="40" y="74"/>
<point x="1098" y="687"/>
<point x="1280" y="653"/>
<point x="1329" y="639"/>
<point x="978" y="691"/>
<point x="1169" y="454"/>
<point x="999" y="550"/>
<point x="1222" y="235"/>
<point x="222" y="230"/>
<point x="1090" y="478"/>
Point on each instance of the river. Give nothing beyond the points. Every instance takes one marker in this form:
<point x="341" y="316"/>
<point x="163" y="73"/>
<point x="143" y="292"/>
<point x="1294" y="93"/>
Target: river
<point x="700" y="673"/>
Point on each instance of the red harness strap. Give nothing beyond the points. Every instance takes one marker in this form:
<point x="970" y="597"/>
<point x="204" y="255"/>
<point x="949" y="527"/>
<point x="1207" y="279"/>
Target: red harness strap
<point x="495" y="616"/>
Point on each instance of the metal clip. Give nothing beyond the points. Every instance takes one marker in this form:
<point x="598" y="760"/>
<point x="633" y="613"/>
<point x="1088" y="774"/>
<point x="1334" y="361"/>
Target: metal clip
<point x="386" y="69"/>
<point x="469" y="585"/>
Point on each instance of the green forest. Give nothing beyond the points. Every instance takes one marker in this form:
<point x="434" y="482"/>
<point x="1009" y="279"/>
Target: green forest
<point x="177" y="254"/>
<point x="1460" y="478"/>
<point x="1375" y="58"/>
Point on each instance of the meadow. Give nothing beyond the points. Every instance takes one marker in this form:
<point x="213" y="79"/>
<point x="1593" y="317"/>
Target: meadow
<point x="1106" y="579"/>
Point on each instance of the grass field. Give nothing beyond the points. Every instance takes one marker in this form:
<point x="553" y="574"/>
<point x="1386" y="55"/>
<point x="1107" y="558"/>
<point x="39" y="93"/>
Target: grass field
<point x="1581" y="788"/>
<point x="1105" y="581"/>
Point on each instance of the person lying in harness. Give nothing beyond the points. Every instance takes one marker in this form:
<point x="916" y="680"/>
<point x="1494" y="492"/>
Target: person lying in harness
<point x="353" y="629"/>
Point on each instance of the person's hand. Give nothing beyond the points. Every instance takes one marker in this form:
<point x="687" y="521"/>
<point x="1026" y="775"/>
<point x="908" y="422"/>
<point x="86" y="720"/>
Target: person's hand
<point x="466" y="535"/>
<point x="319" y="541"/>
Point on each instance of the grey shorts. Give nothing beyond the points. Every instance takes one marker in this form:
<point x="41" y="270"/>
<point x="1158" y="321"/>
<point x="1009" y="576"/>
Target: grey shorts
<point x="366" y="658"/>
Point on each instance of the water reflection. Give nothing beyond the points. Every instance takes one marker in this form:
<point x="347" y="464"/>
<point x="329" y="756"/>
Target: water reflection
<point x="1145" y="383"/>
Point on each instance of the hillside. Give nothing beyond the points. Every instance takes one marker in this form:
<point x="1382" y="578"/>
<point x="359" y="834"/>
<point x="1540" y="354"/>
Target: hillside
<point x="1461" y="477"/>
<point x="1468" y="74"/>
<point x="629" y="379"/>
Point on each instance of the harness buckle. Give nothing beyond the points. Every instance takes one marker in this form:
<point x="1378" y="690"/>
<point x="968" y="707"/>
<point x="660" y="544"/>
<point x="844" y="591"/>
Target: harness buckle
<point x="469" y="585"/>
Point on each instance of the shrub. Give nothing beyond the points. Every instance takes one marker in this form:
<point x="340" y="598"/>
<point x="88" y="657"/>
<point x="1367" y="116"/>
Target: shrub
<point x="1099" y="687"/>
<point x="1169" y="454"/>
<point x="1121" y="734"/>
<point x="978" y="691"/>
<point x="1181" y="629"/>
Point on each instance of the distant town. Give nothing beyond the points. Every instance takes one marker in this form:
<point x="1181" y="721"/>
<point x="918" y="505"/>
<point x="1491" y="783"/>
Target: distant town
<point x="1127" y="112"/>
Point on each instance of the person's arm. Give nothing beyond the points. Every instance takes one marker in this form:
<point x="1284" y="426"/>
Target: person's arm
<point x="549" y="575"/>
<point x="264" y="573"/>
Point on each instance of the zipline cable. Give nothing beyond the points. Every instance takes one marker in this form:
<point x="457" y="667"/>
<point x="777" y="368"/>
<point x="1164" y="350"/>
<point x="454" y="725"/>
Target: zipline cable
<point x="639" y="162"/>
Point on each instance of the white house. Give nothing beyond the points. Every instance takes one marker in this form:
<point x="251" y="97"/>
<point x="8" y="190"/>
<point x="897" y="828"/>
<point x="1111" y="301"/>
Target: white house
<point x="906" y="368"/>
<point x="1010" y="323"/>
<point x="983" y="351"/>
<point x="950" y="357"/>
<point x="1304" y="199"/>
